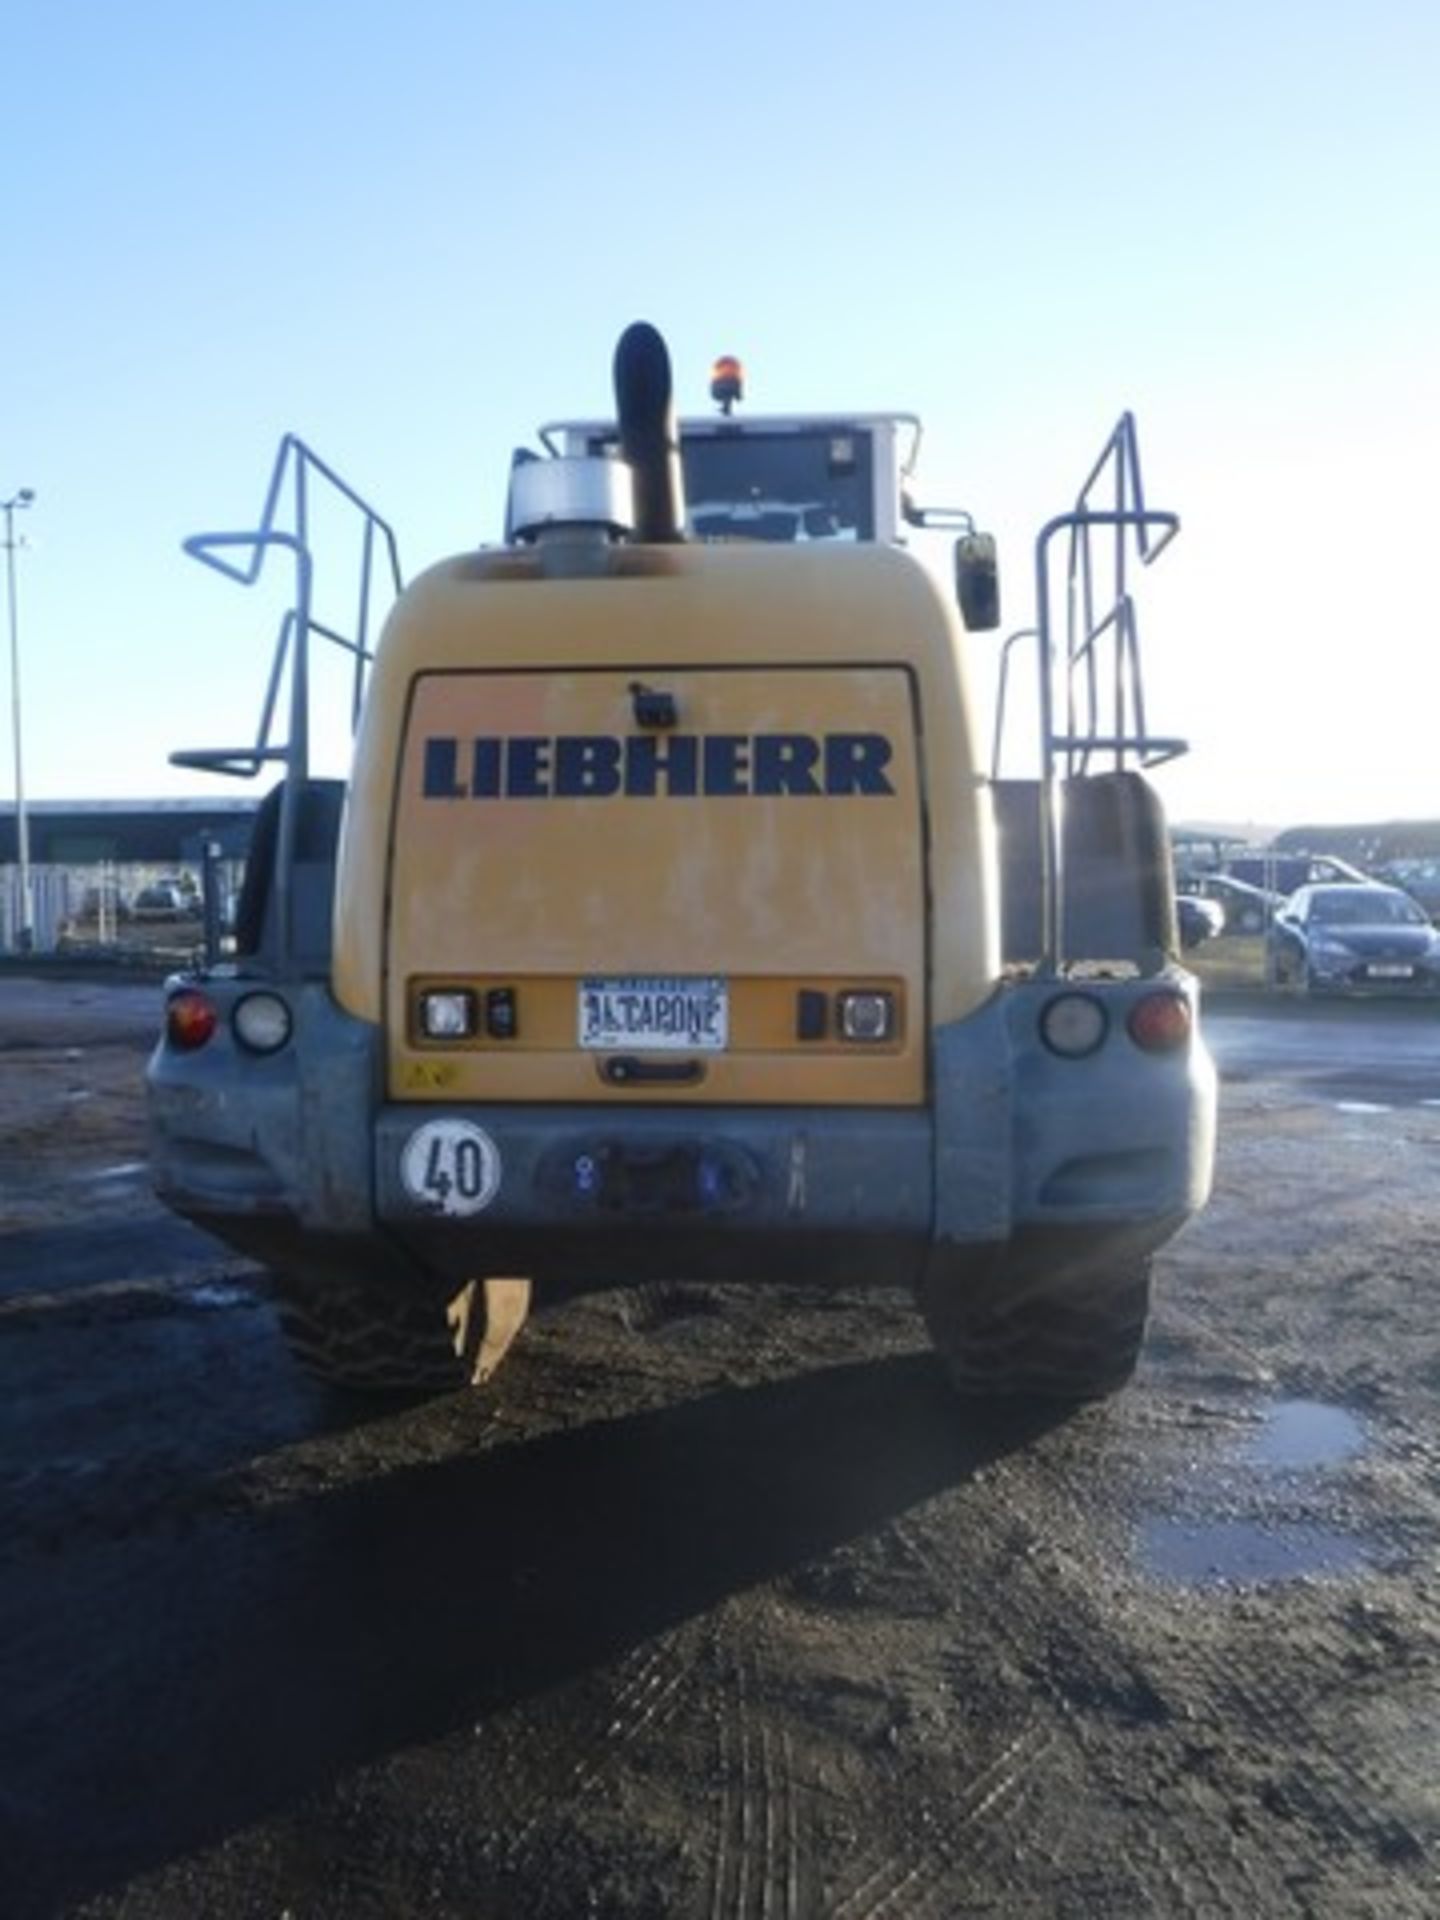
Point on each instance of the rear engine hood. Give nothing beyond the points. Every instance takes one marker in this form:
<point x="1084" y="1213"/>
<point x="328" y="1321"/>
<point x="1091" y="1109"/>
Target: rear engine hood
<point x="751" y="833"/>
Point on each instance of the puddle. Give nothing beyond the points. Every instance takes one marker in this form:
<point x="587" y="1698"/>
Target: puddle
<point x="1305" y="1433"/>
<point x="1360" y="1106"/>
<point x="127" y="1170"/>
<point x="1291" y="1436"/>
<point x="1221" y="1553"/>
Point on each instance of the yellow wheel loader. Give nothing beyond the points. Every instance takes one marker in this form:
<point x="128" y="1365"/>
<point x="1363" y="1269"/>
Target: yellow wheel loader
<point x="670" y="924"/>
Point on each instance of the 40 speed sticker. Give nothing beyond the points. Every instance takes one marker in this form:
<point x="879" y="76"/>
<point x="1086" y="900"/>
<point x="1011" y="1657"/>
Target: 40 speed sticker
<point x="451" y="1166"/>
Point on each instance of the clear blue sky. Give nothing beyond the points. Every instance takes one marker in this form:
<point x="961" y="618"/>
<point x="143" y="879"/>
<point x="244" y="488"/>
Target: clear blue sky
<point x="410" y="233"/>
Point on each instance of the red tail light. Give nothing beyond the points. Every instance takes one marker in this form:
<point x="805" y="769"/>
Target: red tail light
<point x="1161" y="1022"/>
<point x="190" y="1019"/>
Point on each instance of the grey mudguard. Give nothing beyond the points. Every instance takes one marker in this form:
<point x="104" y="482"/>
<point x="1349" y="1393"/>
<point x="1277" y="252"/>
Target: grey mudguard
<point x="287" y="1134"/>
<point x="1122" y="1136"/>
<point x="1027" y="1139"/>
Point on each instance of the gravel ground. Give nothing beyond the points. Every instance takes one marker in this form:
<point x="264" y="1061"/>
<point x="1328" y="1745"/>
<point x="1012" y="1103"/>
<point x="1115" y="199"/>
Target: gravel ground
<point x="716" y="1604"/>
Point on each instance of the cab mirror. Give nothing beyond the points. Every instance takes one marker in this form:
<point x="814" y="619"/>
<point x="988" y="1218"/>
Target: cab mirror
<point x="977" y="581"/>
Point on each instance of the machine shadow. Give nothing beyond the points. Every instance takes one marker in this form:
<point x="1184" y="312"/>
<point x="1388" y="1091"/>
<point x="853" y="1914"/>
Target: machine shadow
<point x="269" y="1653"/>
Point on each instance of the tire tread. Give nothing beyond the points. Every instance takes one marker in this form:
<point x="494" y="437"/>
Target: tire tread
<point x="367" y="1338"/>
<point x="1074" y="1336"/>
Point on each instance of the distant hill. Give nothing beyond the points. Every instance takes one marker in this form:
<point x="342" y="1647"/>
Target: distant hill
<point x="1245" y="833"/>
<point x="1368" y="844"/>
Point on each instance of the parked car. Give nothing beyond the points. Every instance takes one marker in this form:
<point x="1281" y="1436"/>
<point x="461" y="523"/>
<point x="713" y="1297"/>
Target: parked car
<point x="1286" y="873"/>
<point x="1354" y="939"/>
<point x="161" y="903"/>
<point x="1246" y="908"/>
<point x="1198" y="919"/>
<point x="1419" y="878"/>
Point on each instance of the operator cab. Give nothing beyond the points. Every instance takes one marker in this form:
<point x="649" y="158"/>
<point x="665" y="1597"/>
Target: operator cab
<point x="796" y="478"/>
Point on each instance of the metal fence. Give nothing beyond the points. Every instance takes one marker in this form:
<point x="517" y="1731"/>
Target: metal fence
<point x="117" y="906"/>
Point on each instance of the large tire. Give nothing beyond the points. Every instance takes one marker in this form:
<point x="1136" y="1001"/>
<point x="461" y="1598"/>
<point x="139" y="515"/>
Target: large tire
<point x="365" y="1337"/>
<point x="1073" y="1335"/>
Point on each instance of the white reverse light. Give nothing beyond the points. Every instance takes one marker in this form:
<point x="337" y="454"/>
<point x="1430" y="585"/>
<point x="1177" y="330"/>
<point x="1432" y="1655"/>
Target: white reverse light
<point x="262" y="1022"/>
<point x="1073" y="1025"/>
<point x="866" y="1016"/>
<point x="448" y="1015"/>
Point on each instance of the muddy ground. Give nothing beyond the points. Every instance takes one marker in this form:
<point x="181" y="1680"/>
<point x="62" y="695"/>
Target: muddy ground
<point x="717" y="1604"/>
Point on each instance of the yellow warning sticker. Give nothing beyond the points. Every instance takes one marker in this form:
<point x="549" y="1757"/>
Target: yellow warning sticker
<point x="422" y="1074"/>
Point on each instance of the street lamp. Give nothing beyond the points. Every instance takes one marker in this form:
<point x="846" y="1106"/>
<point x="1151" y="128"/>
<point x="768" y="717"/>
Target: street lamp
<point x="17" y="502"/>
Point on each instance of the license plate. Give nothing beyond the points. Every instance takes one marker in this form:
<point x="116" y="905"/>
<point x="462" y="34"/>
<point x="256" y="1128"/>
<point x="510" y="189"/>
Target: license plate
<point x="656" y="1014"/>
<point x="1384" y="970"/>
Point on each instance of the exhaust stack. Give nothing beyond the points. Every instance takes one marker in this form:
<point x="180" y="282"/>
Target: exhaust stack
<point x="649" y="437"/>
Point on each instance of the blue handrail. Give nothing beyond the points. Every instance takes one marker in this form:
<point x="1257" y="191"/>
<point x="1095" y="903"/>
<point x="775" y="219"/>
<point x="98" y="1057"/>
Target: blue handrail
<point x="296" y="464"/>
<point x="1089" y="704"/>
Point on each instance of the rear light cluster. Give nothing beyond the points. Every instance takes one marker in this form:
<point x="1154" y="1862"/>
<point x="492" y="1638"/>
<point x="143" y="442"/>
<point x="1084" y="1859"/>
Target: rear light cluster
<point x="455" y="1013"/>
<point x="261" y="1022"/>
<point x="1160" y="1023"/>
<point x="190" y="1019"/>
<point x="865" y="1015"/>
<point x="1075" y="1024"/>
